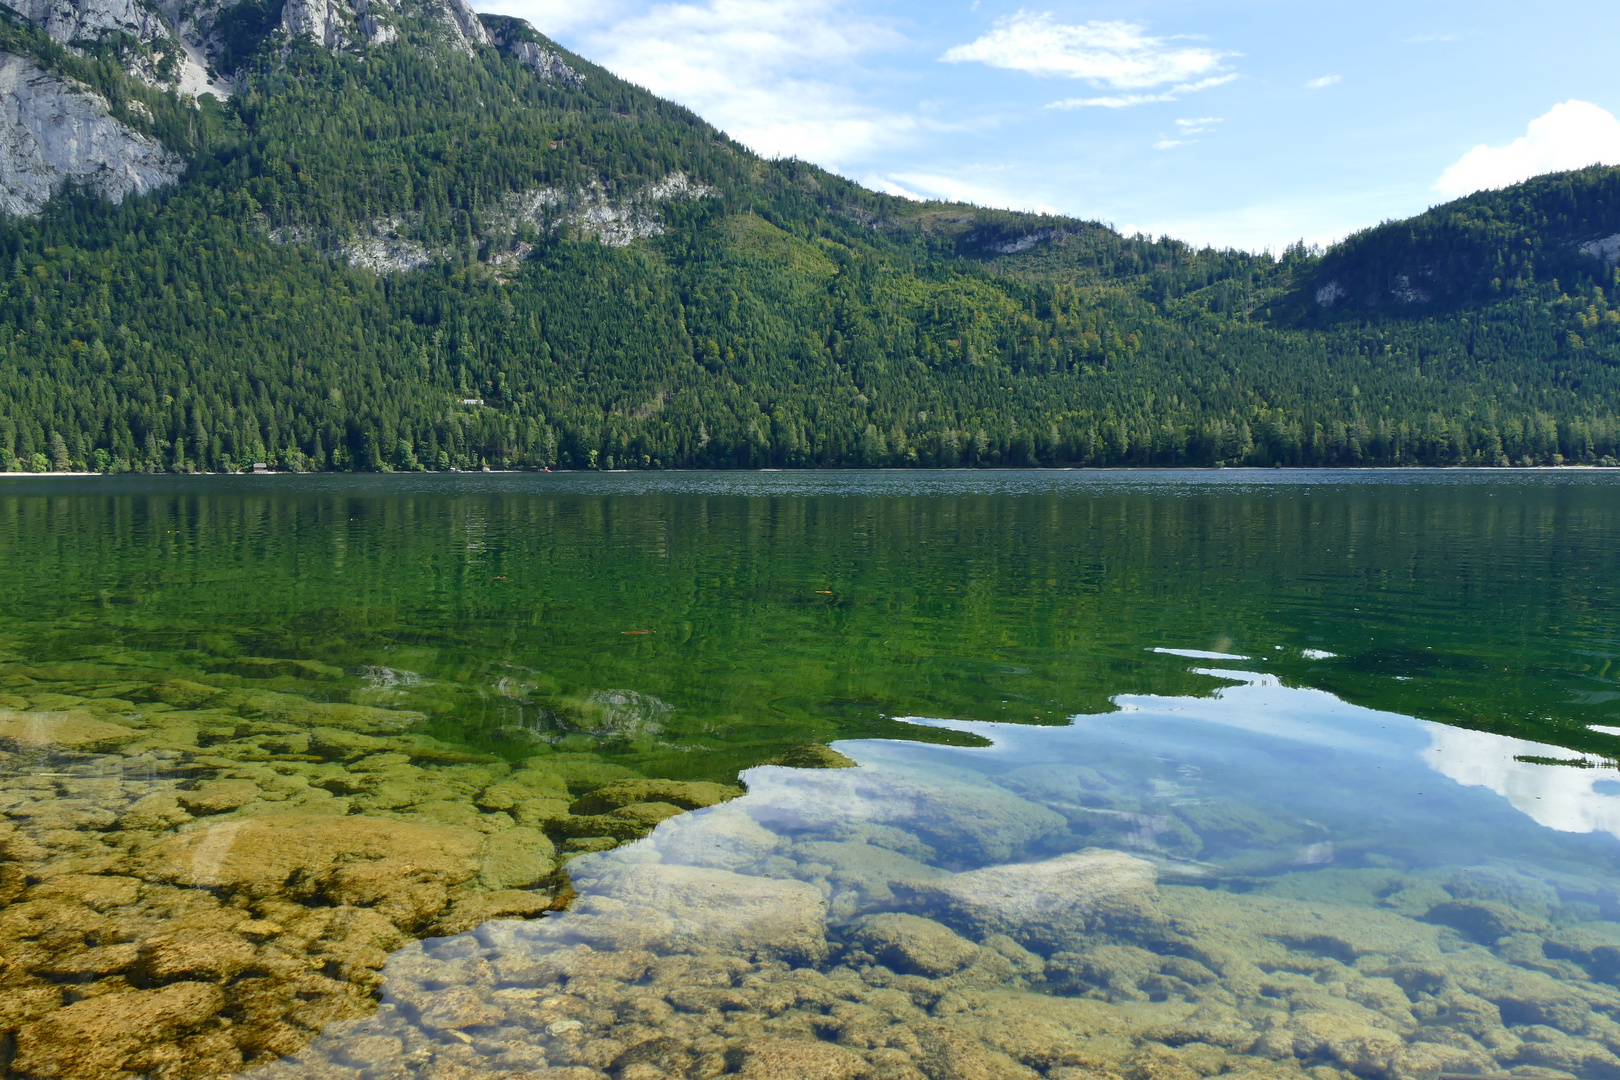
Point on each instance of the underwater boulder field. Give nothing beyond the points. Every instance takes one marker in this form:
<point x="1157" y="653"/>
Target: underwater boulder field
<point x="959" y="776"/>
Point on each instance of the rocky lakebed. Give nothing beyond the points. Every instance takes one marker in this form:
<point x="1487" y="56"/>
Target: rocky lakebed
<point x="203" y="881"/>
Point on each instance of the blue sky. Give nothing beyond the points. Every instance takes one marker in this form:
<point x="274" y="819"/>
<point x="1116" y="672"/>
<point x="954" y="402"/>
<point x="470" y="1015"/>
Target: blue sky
<point x="1248" y="124"/>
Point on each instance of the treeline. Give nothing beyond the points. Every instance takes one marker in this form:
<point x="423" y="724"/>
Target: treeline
<point x="789" y="319"/>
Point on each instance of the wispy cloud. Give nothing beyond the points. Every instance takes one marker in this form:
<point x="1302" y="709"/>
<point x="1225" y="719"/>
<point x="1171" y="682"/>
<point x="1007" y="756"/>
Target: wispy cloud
<point x="888" y="186"/>
<point x="1324" y="81"/>
<point x="1186" y="129"/>
<point x="1118" y="55"/>
<point x="955" y="188"/>
<point x="1572" y="135"/>
<point x="1125" y="101"/>
<point x="780" y="76"/>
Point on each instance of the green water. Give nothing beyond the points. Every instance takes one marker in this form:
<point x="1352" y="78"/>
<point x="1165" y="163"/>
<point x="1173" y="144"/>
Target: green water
<point x="750" y="613"/>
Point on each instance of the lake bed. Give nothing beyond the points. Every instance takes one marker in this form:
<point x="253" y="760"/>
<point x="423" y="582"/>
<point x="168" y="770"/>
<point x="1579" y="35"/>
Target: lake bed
<point x="828" y="775"/>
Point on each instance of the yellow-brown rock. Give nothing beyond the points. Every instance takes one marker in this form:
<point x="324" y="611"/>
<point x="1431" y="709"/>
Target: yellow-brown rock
<point x="688" y="795"/>
<point x="99" y="1036"/>
<point x="263" y="856"/>
<point x="28" y="730"/>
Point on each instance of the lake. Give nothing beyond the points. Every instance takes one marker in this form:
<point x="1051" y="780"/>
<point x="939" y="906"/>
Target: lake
<point x="1156" y="774"/>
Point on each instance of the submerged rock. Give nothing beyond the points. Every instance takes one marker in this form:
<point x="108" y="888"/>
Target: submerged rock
<point x="28" y="730"/>
<point x="689" y="909"/>
<point x="1047" y="902"/>
<point x="115" y="1034"/>
<point x="686" y="795"/>
<point x="812" y="756"/>
<point x="913" y="945"/>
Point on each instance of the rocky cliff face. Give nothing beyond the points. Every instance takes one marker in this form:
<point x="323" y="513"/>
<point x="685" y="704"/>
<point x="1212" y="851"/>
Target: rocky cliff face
<point x="343" y="25"/>
<point x="518" y="40"/>
<point x="53" y="131"/>
<point x="90" y="20"/>
<point x="165" y="45"/>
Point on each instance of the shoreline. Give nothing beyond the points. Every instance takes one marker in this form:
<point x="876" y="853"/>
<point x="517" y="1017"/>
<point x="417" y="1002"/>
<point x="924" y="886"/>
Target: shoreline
<point x="888" y="470"/>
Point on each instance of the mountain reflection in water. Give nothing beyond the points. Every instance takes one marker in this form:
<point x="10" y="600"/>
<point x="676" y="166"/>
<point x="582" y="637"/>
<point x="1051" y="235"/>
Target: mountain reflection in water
<point x="1266" y="882"/>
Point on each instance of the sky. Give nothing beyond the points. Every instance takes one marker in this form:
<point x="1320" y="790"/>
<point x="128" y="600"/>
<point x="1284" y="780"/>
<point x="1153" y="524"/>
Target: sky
<point x="1236" y="123"/>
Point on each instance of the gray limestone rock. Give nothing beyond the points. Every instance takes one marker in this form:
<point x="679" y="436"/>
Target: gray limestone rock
<point x="326" y="21"/>
<point x="79" y="20"/>
<point x="545" y="63"/>
<point x="54" y="130"/>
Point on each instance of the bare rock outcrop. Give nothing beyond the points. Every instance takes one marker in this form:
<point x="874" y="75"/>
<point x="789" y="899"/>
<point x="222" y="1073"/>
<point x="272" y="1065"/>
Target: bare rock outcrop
<point x="545" y="63"/>
<point x="80" y="20"/>
<point x="53" y="131"/>
<point x="325" y="21"/>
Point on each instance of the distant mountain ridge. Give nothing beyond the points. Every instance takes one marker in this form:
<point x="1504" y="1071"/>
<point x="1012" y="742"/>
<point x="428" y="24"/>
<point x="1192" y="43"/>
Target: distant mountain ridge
<point x="1480" y="248"/>
<point x="309" y="233"/>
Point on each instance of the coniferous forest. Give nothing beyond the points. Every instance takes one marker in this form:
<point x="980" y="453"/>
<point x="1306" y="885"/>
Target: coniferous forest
<point x="418" y="258"/>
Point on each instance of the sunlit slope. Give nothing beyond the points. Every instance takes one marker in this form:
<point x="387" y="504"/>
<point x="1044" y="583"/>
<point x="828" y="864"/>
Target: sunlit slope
<point x="415" y="255"/>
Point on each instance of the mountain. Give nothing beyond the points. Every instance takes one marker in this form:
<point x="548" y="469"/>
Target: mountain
<point x="393" y="234"/>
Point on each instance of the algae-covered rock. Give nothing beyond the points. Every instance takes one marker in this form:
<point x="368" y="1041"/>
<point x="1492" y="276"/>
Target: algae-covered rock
<point x="698" y="910"/>
<point x="649" y="814"/>
<point x="267" y="667"/>
<point x="474" y="909"/>
<point x="953" y="814"/>
<point x="1355" y="1039"/>
<point x="522" y="786"/>
<point x="263" y="856"/>
<point x="302" y="712"/>
<point x="538" y="811"/>
<point x="596" y="825"/>
<point x="75" y="728"/>
<point x="688" y="795"/>
<point x="910" y="944"/>
<point x="336" y="744"/>
<point x="951" y="1054"/>
<point x="158" y="810"/>
<point x="1484" y="920"/>
<point x="218" y="796"/>
<point x="516" y="858"/>
<point x="866" y="872"/>
<point x="803" y="1059"/>
<point x="582" y="773"/>
<point x="812" y="756"/>
<point x="724" y="838"/>
<point x="98" y="1037"/>
<point x="185" y="694"/>
<point x="211" y="955"/>
<point x="1046" y="901"/>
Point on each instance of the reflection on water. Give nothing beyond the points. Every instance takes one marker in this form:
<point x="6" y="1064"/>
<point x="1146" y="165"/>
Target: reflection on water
<point x="1264" y="882"/>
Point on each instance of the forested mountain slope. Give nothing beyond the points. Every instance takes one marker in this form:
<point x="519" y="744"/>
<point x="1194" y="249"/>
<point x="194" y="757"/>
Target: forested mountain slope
<point x="411" y="237"/>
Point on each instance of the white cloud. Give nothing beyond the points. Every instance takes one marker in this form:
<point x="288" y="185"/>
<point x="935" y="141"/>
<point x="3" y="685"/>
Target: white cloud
<point x="887" y="185"/>
<point x="1270" y="224"/>
<point x="1326" y="80"/>
<point x="1188" y="129"/>
<point x="956" y="189"/>
<point x="777" y="75"/>
<point x="1119" y="55"/>
<point x="1569" y="136"/>
<point x="1564" y="799"/>
<point x="1125" y="101"/>
<point x="557" y="17"/>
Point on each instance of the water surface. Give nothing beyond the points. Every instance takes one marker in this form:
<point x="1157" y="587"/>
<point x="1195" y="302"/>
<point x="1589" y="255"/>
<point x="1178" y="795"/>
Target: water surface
<point x="1159" y="775"/>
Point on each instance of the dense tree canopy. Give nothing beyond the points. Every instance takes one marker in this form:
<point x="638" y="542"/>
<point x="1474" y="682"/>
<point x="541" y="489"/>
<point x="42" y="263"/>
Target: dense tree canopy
<point x="776" y="316"/>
